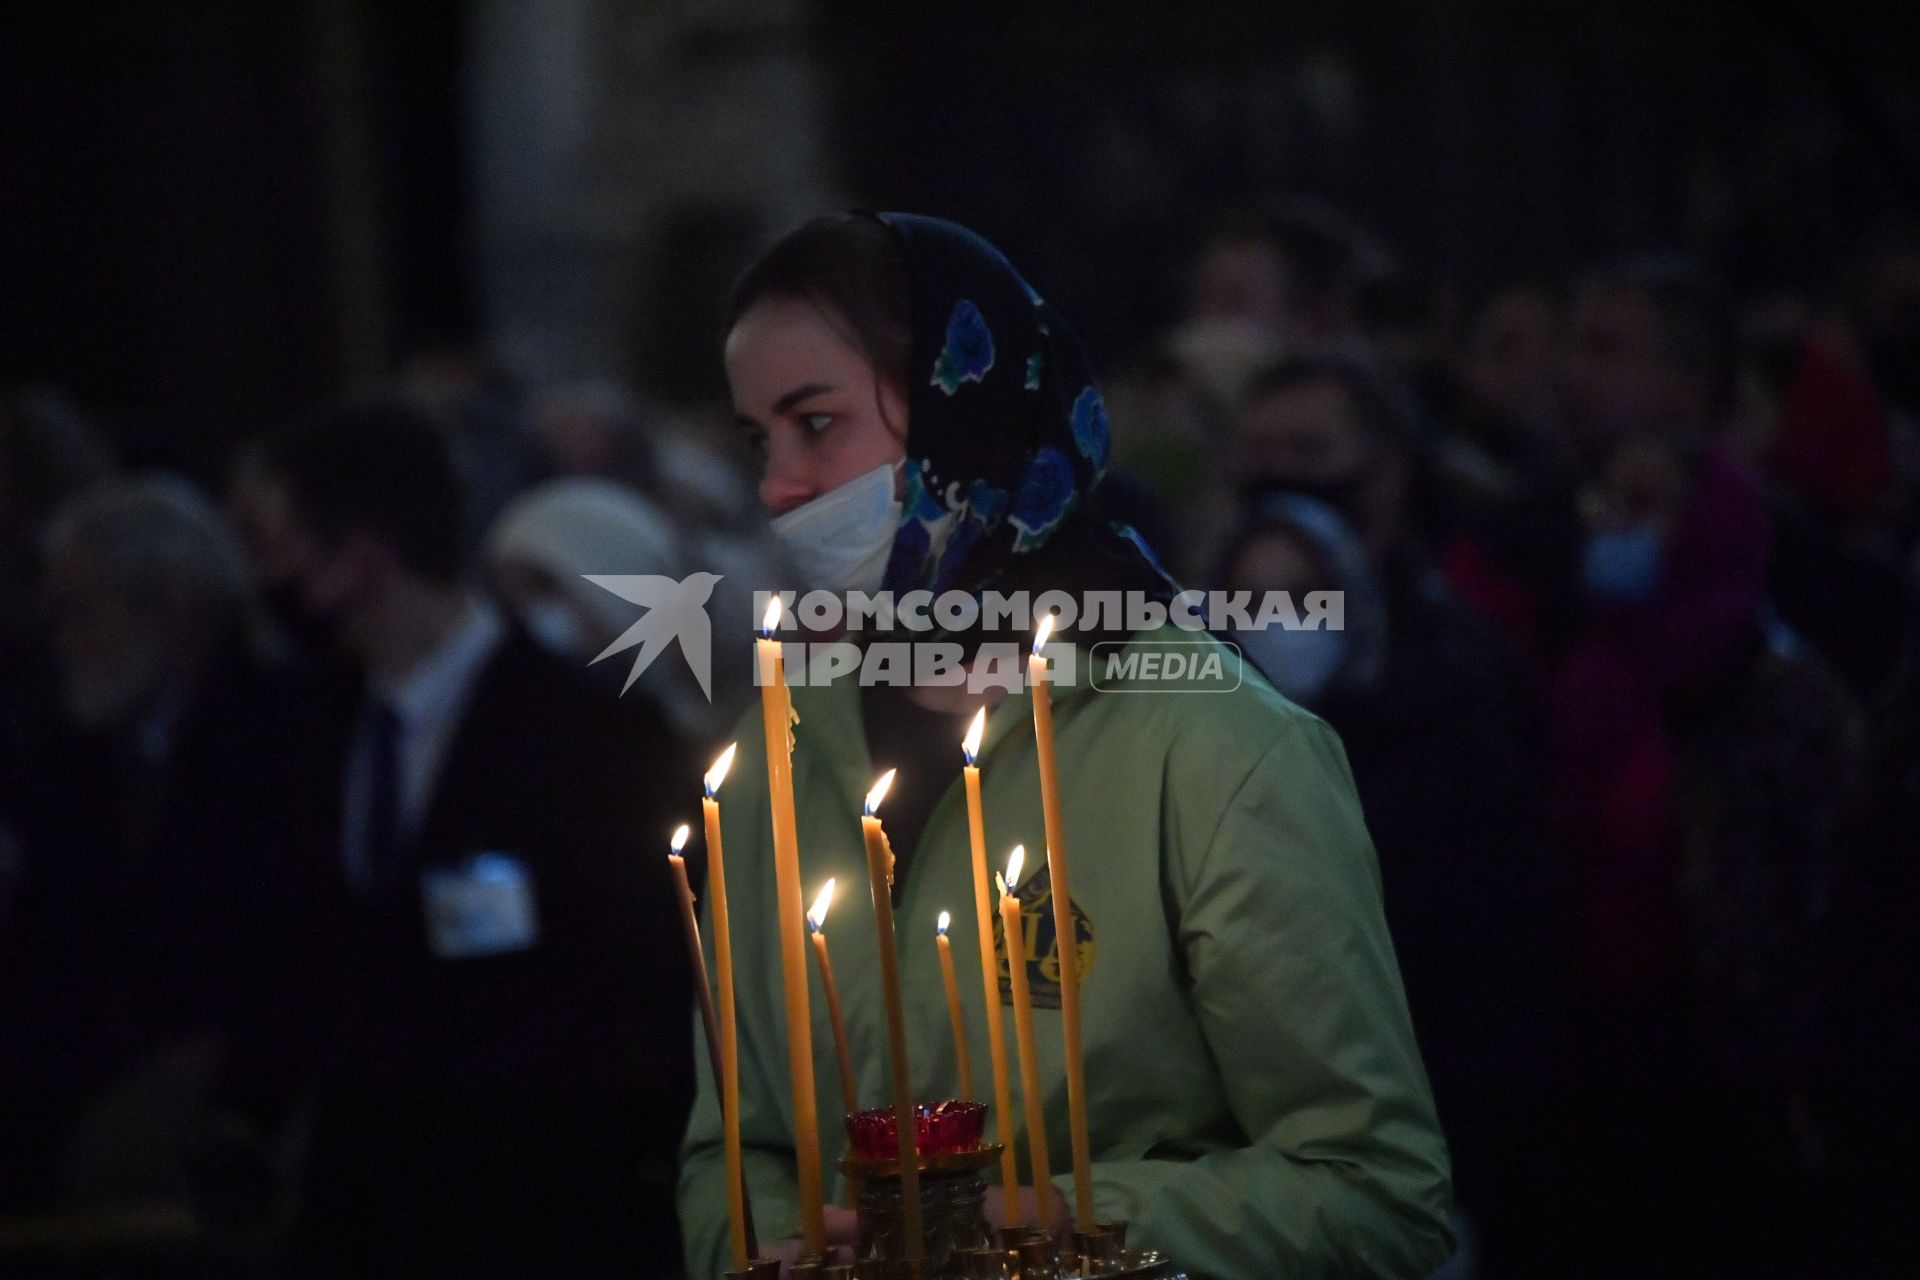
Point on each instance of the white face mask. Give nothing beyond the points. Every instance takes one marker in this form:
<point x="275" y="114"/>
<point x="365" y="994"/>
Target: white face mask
<point x="1300" y="664"/>
<point x="840" y="541"/>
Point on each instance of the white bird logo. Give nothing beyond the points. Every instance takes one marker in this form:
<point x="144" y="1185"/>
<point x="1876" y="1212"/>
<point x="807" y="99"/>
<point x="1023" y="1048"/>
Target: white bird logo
<point x="676" y="609"/>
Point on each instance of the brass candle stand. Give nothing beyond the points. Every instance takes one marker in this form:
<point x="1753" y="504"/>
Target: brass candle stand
<point x="959" y="1244"/>
<point x="955" y="1241"/>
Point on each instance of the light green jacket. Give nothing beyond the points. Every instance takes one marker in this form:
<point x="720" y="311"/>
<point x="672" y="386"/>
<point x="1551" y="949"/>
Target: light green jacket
<point x="1257" y="1104"/>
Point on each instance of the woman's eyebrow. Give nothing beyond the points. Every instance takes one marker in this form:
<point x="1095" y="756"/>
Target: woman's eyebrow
<point x="795" y="396"/>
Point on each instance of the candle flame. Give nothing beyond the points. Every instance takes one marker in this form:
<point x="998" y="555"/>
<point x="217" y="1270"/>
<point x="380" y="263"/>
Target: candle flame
<point x="680" y="836"/>
<point x="940" y="926"/>
<point x="1014" y="862"/>
<point x="975" y="731"/>
<point x="718" y="774"/>
<point x="771" y="622"/>
<point x="817" y="913"/>
<point x="879" y="792"/>
<point x="1000" y="883"/>
<point x="1046" y="630"/>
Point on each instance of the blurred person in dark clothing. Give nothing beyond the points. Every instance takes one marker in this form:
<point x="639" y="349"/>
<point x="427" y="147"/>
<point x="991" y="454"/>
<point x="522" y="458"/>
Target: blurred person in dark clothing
<point x="1673" y="579"/>
<point x="1707" y="765"/>
<point x="151" y="819"/>
<point x="1273" y="281"/>
<point x="1510" y="539"/>
<point x="1508" y="372"/>
<point x="1334" y="426"/>
<point x="1811" y="422"/>
<point x="1442" y="735"/>
<point x="1650" y="352"/>
<point x="1810" y="418"/>
<point x="486" y="911"/>
<point x="1266" y="282"/>
<point x="1404" y="322"/>
<point x="1653" y="352"/>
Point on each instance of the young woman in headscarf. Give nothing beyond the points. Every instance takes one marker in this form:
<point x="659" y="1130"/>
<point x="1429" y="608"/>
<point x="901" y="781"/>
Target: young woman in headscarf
<point x="1257" y="1103"/>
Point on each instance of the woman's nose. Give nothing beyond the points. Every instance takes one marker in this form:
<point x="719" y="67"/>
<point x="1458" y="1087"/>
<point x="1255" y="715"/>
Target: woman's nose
<point x="788" y="481"/>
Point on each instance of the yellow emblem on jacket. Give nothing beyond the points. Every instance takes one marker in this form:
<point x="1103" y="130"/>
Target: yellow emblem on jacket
<point x="1035" y="896"/>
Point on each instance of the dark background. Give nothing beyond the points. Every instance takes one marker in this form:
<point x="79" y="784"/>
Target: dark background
<point x="217" y="212"/>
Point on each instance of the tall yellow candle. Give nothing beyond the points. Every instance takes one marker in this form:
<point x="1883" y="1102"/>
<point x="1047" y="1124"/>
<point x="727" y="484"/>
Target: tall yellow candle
<point x="696" y="959"/>
<point x="1023" y="1033"/>
<point x="953" y="1004"/>
<point x="990" y="970"/>
<point x="740" y="1230"/>
<point x="1066" y="938"/>
<point x="717" y="1051"/>
<point x="849" y="1090"/>
<point x="817" y="923"/>
<point x="880" y="875"/>
<point x="776" y="716"/>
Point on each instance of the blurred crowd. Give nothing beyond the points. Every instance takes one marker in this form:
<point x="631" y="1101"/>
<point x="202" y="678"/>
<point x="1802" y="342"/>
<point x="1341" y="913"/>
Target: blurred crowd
<point x="1627" y="682"/>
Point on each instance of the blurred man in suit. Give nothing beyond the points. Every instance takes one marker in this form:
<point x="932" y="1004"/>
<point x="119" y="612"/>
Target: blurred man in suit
<point x="488" y="913"/>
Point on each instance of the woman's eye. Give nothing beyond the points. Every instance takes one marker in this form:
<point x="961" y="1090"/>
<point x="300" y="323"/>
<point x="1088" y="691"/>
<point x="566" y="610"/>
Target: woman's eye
<point x="816" y="423"/>
<point x="757" y="444"/>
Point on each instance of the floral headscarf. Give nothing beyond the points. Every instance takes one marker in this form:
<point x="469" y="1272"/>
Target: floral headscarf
<point x="1007" y="436"/>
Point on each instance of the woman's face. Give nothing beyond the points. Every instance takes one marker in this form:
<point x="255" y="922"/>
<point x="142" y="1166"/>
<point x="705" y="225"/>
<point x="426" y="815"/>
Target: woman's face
<point x="816" y="412"/>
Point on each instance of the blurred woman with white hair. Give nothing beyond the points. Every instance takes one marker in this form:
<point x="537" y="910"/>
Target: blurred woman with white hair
<point x="550" y="541"/>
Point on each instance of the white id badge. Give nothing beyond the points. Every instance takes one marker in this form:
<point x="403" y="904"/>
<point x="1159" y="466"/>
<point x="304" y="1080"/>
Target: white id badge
<point x="483" y="907"/>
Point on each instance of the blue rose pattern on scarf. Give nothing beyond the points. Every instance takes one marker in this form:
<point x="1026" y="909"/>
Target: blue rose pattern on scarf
<point x="980" y="515"/>
<point x="1000" y="453"/>
<point x="1091" y="430"/>
<point x="921" y="513"/>
<point x="968" y="355"/>
<point x="1047" y="493"/>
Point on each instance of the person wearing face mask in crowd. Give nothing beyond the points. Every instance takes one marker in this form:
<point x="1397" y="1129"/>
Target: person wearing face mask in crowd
<point x="926" y="421"/>
<point x="1442" y="738"/>
<point x="1338" y="429"/>
<point x="1334" y="427"/>
<point x="1265" y="282"/>
<point x="548" y="541"/>
<point x="1705" y="763"/>
<point x="151" y="825"/>
<point x="1702" y="755"/>
<point x="481" y="914"/>
<point x="1297" y="544"/>
<point x="1509" y="541"/>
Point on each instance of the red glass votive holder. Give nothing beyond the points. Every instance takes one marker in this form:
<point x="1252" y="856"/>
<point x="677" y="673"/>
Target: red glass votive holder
<point x="940" y="1129"/>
